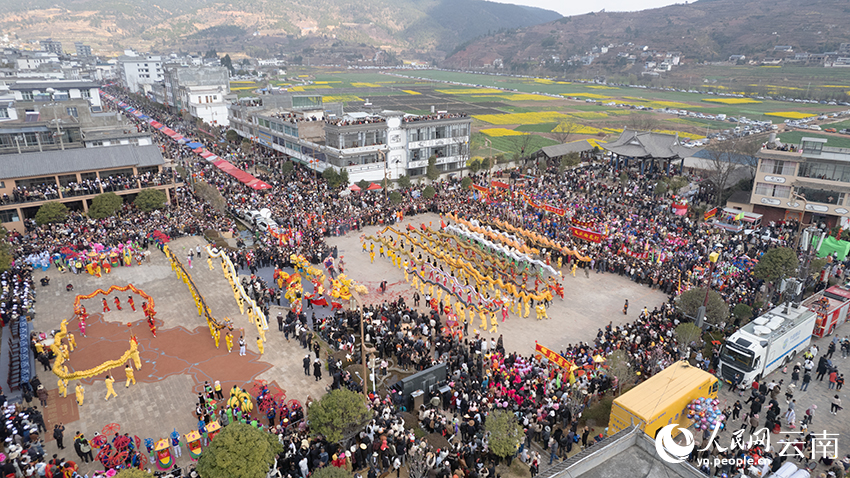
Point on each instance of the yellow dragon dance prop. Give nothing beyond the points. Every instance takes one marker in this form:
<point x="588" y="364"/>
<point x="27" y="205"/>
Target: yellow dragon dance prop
<point x="200" y="303"/>
<point x="536" y="238"/>
<point x="494" y="236"/>
<point x="242" y="297"/>
<point x="61" y="370"/>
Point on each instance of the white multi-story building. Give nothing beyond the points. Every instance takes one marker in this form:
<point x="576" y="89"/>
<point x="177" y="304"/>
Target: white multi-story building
<point x="50" y="91"/>
<point x="369" y="146"/>
<point x="198" y="90"/>
<point x="138" y="73"/>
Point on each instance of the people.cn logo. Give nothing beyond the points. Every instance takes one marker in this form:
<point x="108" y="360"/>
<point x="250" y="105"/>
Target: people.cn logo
<point x="670" y="451"/>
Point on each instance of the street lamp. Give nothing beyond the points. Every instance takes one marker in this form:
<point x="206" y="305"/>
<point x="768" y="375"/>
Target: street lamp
<point x="712" y="258"/>
<point x="802" y="215"/>
<point x="384" y="156"/>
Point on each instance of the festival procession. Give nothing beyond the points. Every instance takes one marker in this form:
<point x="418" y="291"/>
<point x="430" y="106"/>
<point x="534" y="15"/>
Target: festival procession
<point x="495" y="326"/>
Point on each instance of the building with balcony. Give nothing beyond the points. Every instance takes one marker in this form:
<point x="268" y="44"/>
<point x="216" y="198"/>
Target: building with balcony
<point x="51" y="45"/>
<point x="83" y="51"/>
<point x="75" y="176"/>
<point x="811" y="183"/>
<point x="369" y="146"/>
<point x="138" y="73"/>
<point x="197" y="90"/>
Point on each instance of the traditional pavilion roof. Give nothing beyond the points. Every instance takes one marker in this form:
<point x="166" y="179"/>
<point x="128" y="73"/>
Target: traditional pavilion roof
<point x="647" y="145"/>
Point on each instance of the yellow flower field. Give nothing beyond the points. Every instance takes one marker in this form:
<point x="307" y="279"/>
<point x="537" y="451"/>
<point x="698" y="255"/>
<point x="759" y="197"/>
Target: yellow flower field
<point x="470" y="91"/>
<point x="528" y="97"/>
<point x="659" y="104"/>
<point x="601" y="87"/>
<point x="544" y="81"/>
<point x="523" y="118"/>
<point x="242" y="82"/>
<point x="591" y="95"/>
<point x="239" y="88"/>
<point x="294" y="88"/>
<point x="411" y="92"/>
<point x="498" y="132"/>
<point x="589" y="114"/>
<point x="365" y="85"/>
<point x="731" y="101"/>
<point x="340" y="98"/>
<point x="790" y="114"/>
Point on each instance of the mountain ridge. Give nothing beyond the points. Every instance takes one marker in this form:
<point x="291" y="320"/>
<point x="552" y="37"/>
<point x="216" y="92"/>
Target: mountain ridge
<point x="397" y="25"/>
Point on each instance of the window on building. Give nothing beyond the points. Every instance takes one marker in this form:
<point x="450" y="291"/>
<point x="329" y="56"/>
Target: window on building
<point x="72" y="111"/>
<point x="9" y="216"/>
<point x="824" y="196"/>
<point x="27" y="95"/>
<point x="771" y="166"/>
<point x="4" y="112"/>
<point x="828" y="171"/>
<point x="812" y="147"/>
<point x="772" y="190"/>
<point x="85" y="93"/>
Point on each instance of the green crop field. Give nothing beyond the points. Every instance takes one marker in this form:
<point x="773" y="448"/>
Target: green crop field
<point x="537" y="128"/>
<point x="509" y="145"/>
<point x="794" y="137"/>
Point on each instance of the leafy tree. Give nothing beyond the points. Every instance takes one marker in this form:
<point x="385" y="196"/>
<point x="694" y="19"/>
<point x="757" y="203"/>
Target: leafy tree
<point x="432" y="172"/>
<point x="776" y="264"/>
<point x="466" y="182"/>
<point x="716" y="311"/>
<point x="817" y="266"/>
<point x="429" y="192"/>
<point x="227" y="63"/>
<point x="505" y="433"/>
<point x="288" y="168"/>
<point x="330" y="472"/>
<point x="660" y="188"/>
<point x="474" y="165"/>
<point x="338" y="414"/>
<point x="624" y="179"/>
<point x="619" y="366"/>
<point x="363" y="184"/>
<point x="149" y="199"/>
<point x="51" y="211"/>
<point x="687" y="332"/>
<point x="239" y="451"/>
<point x="232" y="136"/>
<point x="395" y="197"/>
<point x="332" y="177"/>
<point x="742" y="312"/>
<point x="404" y="181"/>
<point x="569" y="160"/>
<point x="343" y="177"/>
<point x="5" y="254"/>
<point x="132" y="473"/>
<point x="105" y="205"/>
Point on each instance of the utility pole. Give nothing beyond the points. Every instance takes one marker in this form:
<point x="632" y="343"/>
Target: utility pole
<point x="713" y="257"/>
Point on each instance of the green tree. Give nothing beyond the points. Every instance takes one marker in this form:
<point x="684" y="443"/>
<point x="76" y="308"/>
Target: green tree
<point x="687" y="332"/>
<point x="227" y="63"/>
<point x="343" y="177"/>
<point x="505" y="433"/>
<point x="239" y="451"/>
<point x="429" y="192"/>
<point x="466" y="182"/>
<point x="363" y="184"/>
<point x="432" y="172"/>
<point x="5" y="254"/>
<point x="569" y="160"/>
<point x="474" y="165"/>
<point x="338" y="414"/>
<point x="742" y="312"/>
<point x="51" y="211"/>
<point x="776" y="264"/>
<point x="395" y="197"/>
<point x="716" y="311"/>
<point x="232" y="136"/>
<point x="332" y="177"/>
<point x="149" y="199"/>
<point x="132" y="473"/>
<point x="619" y="366"/>
<point x="404" y="181"/>
<point x="288" y="168"/>
<point x="330" y="472"/>
<point x="105" y="205"/>
<point x="660" y="188"/>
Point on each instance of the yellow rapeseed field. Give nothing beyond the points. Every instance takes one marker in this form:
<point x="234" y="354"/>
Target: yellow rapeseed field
<point x="790" y="114"/>
<point x="365" y="85"/>
<point x="411" y="92"/>
<point x="731" y="101"/>
<point x="498" y="132"/>
<point x="523" y="118"/>
<point x="340" y="98"/>
<point x="470" y="91"/>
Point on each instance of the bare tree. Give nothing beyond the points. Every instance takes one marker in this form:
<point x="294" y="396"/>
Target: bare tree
<point x="523" y="143"/>
<point x="642" y="121"/>
<point x="726" y="157"/>
<point x="564" y="130"/>
<point x="619" y="366"/>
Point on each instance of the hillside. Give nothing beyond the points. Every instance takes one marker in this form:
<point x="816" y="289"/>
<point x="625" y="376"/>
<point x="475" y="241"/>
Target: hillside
<point x="397" y="25"/>
<point x="709" y="30"/>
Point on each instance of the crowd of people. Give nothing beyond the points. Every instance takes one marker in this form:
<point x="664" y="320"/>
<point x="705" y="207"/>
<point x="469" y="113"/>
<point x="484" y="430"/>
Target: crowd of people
<point x="642" y="240"/>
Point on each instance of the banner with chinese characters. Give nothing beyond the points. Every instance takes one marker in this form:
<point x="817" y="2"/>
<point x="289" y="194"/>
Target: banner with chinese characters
<point x="480" y="189"/>
<point x="582" y="224"/>
<point x="499" y="184"/>
<point x="710" y="214"/>
<point x="554" y="357"/>
<point x="637" y="255"/>
<point x="587" y="234"/>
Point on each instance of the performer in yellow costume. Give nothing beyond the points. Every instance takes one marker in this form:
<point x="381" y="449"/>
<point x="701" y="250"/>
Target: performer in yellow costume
<point x="63" y="387"/>
<point x="72" y="341"/>
<point x="228" y="339"/>
<point x="260" y="345"/>
<point x="131" y="377"/>
<point x="80" y="392"/>
<point x="110" y="390"/>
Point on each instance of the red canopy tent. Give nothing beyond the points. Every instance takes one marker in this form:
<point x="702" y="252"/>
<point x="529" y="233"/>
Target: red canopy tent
<point x="355" y="188"/>
<point x="373" y="187"/>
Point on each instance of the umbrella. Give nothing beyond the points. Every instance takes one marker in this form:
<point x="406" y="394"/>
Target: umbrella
<point x="373" y="187"/>
<point x="355" y="188"/>
<point x="194" y="145"/>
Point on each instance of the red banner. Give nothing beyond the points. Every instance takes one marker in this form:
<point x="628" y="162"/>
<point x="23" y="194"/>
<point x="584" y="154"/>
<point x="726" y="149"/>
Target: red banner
<point x="480" y="189"/>
<point x="710" y="214"/>
<point x="636" y="255"/>
<point x="586" y="234"/>
<point x="545" y="207"/>
<point x="499" y="184"/>
<point x="582" y="224"/>
<point x="554" y="357"/>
